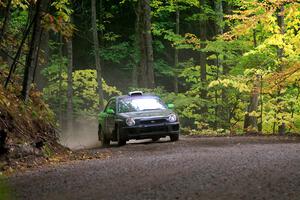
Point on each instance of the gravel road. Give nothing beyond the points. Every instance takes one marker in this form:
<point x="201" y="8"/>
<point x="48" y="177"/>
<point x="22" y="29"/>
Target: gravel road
<point x="192" y="168"/>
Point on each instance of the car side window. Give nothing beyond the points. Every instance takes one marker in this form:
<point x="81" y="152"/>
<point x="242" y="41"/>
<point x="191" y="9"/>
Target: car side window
<point x="111" y="105"/>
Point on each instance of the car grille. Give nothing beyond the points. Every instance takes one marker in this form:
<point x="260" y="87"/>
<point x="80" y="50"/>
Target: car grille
<point x="154" y="121"/>
<point x="153" y="129"/>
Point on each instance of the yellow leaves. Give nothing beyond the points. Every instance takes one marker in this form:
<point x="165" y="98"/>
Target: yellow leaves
<point x="190" y="39"/>
<point x="236" y="84"/>
<point x="293" y="16"/>
<point x="264" y="14"/>
<point x="110" y="90"/>
<point x="275" y="40"/>
<point x="5" y="99"/>
<point x="280" y="80"/>
<point x="63" y="9"/>
<point x="21" y="4"/>
<point x="253" y="114"/>
<point x="295" y="78"/>
<point x="88" y="79"/>
<point x="85" y="87"/>
<point x="58" y="24"/>
<point x="79" y="155"/>
<point x="275" y="112"/>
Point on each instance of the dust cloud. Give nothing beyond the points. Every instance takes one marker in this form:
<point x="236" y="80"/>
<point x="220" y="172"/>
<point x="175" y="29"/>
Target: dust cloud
<point x="83" y="136"/>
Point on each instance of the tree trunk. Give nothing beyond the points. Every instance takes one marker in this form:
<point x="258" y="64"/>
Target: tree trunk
<point x="3" y="35"/>
<point x="96" y="53"/>
<point x="70" y="87"/>
<point x="14" y="63"/>
<point x="203" y="55"/>
<point x="6" y="19"/>
<point x="60" y="82"/>
<point x="227" y="9"/>
<point x="36" y="62"/>
<point x="219" y="63"/>
<point x="134" y="75"/>
<point x="146" y="66"/>
<point x="40" y="80"/>
<point x="176" y="54"/>
<point x="33" y="49"/>
<point x="260" y="123"/>
<point x="280" y="54"/>
<point x="220" y="15"/>
<point x="250" y="123"/>
<point x="149" y="48"/>
<point x="142" y="67"/>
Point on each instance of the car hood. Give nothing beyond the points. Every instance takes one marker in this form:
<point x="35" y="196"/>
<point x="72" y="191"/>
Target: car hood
<point x="147" y="114"/>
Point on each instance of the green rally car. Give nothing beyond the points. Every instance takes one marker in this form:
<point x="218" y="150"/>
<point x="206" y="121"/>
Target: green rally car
<point x="137" y="116"/>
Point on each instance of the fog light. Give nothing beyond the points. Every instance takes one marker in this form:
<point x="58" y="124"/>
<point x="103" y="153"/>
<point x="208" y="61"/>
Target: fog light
<point x="130" y="122"/>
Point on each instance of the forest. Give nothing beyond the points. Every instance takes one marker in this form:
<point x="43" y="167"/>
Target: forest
<point x="230" y="67"/>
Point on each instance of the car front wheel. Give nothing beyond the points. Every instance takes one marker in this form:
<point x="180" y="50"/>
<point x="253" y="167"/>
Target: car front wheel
<point x="103" y="138"/>
<point x="174" y="137"/>
<point x="121" y="141"/>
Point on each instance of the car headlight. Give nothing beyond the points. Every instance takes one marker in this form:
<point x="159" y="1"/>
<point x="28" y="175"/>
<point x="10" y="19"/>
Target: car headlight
<point x="130" y="122"/>
<point x="172" y="118"/>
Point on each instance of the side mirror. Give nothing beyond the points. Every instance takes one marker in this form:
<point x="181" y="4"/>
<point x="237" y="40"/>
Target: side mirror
<point x="170" y="106"/>
<point x="110" y="111"/>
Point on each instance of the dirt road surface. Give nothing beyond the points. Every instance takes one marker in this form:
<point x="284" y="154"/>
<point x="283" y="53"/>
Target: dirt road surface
<point x="192" y="168"/>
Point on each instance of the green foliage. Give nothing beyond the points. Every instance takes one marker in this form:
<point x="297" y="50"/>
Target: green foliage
<point x="63" y="9"/>
<point x="60" y="19"/>
<point x="18" y="20"/>
<point x="249" y="48"/>
<point x="163" y="69"/>
<point x="85" y="96"/>
<point x="85" y="91"/>
<point x="115" y="53"/>
<point x="47" y="151"/>
<point x="5" y="192"/>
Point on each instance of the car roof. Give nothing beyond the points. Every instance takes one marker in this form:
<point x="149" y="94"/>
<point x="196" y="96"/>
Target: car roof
<point x="134" y="97"/>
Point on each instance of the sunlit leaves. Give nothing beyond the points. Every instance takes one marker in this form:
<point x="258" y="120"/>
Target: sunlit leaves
<point x="60" y="20"/>
<point x="21" y="4"/>
<point x="85" y="98"/>
<point x="234" y="82"/>
<point x="63" y="9"/>
<point x="256" y="13"/>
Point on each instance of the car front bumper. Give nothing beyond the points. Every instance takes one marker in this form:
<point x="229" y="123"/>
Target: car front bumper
<point x="150" y="131"/>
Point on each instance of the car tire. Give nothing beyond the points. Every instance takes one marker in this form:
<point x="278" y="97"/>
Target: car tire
<point x="155" y="139"/>
<point x="105" y="142"/>
<point x="121" y="141"/>
<point x="174" y="137"/>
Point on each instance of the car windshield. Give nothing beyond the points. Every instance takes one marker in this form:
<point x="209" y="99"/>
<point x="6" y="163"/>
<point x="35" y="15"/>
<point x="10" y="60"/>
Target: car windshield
<point x="140" y="104"/>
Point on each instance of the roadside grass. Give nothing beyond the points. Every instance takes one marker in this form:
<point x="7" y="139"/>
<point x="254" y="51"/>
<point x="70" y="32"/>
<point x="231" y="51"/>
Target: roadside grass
<point x="5" y="193"/>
